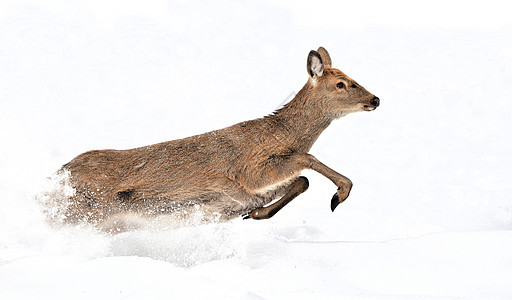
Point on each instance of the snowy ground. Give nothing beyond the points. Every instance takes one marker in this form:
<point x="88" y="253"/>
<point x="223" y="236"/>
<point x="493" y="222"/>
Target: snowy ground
<point x="430" y="215"/>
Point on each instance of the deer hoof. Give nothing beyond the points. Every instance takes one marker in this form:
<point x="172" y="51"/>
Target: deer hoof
<point x="248" y="216"/>
<point x="335" y="201"/>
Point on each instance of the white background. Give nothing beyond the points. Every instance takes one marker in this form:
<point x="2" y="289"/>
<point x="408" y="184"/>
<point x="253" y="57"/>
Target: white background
<point x="430" y="215"/>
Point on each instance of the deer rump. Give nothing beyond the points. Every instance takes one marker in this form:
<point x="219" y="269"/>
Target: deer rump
<point x="221" y="174"/>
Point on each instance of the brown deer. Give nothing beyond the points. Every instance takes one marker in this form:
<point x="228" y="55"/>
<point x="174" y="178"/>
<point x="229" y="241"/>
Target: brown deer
<point x="230" y="172"/>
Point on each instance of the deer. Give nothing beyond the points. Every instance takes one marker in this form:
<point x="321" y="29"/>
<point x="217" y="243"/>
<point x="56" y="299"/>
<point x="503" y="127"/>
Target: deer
<point x="251" y="169"/>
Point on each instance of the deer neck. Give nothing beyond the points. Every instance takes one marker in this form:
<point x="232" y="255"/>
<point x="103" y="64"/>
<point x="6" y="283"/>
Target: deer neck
<point x="303" y="120"/>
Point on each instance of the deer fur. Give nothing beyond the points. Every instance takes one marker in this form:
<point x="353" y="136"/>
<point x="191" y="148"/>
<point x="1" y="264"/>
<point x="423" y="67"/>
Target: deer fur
<point x="226" y="173"/>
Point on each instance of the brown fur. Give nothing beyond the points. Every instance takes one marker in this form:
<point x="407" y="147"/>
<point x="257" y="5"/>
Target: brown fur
<point x="232" y="171"/>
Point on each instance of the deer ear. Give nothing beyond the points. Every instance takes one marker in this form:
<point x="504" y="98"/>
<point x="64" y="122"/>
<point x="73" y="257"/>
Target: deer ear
<point x="315" y="65"/>
<point x="326" y="58"/>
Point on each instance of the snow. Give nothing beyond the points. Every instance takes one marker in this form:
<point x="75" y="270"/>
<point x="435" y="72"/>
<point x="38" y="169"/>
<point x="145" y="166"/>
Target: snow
<point x="430" y="214"/>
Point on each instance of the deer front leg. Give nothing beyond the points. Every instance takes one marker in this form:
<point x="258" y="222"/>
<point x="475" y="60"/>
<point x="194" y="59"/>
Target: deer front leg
<point x="308" y="161"/>
<point x="296" y="162"/>
<point x="297" y="187"/>
<point x="343" y="183"/>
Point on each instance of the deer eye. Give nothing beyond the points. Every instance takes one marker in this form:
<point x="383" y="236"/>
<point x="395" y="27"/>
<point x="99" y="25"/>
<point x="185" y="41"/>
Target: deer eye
<point x="340" y="85"/>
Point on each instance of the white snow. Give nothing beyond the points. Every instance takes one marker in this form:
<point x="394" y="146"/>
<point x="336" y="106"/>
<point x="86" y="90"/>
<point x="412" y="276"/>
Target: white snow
<point x="430" y="215"/>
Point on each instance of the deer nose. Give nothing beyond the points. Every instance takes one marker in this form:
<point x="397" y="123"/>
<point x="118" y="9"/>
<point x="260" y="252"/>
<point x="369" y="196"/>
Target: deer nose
<point x="375" y="101"/>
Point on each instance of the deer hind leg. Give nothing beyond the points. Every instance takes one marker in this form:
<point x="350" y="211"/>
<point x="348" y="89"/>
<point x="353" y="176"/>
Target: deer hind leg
<point x="297" y="187"/>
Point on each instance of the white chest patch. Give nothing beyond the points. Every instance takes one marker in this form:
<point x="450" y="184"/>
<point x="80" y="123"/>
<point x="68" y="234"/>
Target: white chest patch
<point x="272" y="189"/>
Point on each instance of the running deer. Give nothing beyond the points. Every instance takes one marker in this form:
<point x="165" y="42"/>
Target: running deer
<point x="227" y="173"/>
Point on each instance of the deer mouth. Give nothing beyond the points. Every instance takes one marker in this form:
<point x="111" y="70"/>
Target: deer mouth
<point x="374" y="103"/>
<point x="369" y="107"/>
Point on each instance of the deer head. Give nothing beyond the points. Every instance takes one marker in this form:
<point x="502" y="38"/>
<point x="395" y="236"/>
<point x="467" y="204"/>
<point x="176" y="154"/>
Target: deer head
<point x="335" y="92"/>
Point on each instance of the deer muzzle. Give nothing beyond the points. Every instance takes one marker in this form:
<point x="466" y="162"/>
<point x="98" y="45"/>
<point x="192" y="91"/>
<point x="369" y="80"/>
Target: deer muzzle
<point x="374" y="103"/>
